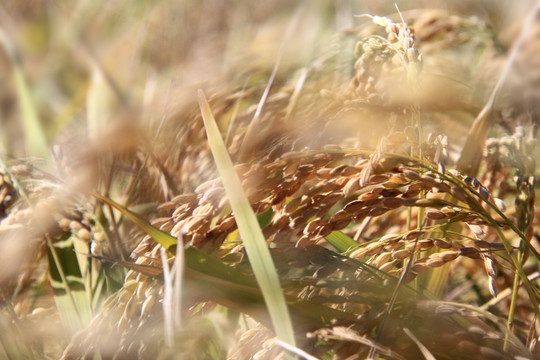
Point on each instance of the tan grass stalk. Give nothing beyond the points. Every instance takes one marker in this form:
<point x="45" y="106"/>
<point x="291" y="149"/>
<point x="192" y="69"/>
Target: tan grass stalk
<point x="172" y="293"/>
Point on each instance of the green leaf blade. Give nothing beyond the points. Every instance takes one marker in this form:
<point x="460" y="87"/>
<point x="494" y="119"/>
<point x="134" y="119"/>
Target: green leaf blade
<point x="252" y="236"/>
<point x="164" y="239"/>
<point x="341" y="241"/>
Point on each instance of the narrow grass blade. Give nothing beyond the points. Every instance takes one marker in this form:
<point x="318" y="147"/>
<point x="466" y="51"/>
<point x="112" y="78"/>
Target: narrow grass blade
<point x="161" y="237"/>
<point x="36" y="143"/>
<point x="72" y="297"/>
<point x="167" y="300"/>
<point x="253" y="239"/>
<point x="427" y="354"/>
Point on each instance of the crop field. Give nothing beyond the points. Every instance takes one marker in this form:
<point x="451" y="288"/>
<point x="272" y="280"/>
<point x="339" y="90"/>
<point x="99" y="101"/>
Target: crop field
<point x="330" y="179"/>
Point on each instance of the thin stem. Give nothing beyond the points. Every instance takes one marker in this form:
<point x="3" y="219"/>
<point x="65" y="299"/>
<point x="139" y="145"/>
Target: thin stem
<point x="58" y="264"/>
<point x="511" y="311"/>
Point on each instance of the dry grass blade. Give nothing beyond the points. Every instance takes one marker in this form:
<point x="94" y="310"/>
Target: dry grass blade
<point x="343" y="333"/>
<point x="172" y="294"/>
<point x="295" y="350"/>
<point x="167" y="300"/>
<point x="251" y="131"/>
<point x="423" y="349"/>
<point x="253" y="239"/>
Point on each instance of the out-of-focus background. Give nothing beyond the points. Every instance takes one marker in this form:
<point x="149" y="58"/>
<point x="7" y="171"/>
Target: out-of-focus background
<point x="144" y="56"/>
